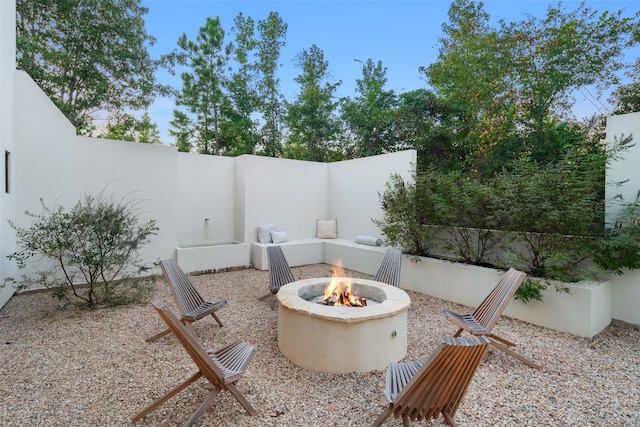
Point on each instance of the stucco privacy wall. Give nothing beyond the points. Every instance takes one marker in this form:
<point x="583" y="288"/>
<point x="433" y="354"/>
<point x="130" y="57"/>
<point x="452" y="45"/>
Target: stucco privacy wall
<point x="180" y="190"/>
<point x="205" y="191"/>
<point x="7" y="145"/>
<point x="625" y="291"/>
<point x="53" y="163"/>
<point x="290" y="194"/>
<point x="355" y="187"/>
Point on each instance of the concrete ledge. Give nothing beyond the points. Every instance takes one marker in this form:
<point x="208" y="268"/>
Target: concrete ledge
<point x="298" y="252"/>
<point x="213" y="256"/>
<point x="354" y="256"/>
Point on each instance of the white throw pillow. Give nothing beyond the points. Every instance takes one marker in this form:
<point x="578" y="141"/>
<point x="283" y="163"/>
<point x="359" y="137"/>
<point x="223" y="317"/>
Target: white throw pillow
<point x="264" y="233"/>
<point x="279" y="236"/>
<point x="327" y="228"/>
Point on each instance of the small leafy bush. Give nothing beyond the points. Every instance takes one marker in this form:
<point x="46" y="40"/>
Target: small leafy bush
<point x="407" y="209"/>
<point x="89" y="252"/>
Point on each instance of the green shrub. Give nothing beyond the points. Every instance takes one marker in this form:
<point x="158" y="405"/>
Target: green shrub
<point x="407" y="209"/>
<point x="90" y="251"/>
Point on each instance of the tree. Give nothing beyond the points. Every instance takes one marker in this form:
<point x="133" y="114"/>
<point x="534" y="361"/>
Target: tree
<point x="147" y="131"/>
<point x="239" y="131"/>
<point x="311" y="117"/>
<point x="470" y="76"/>
<point x="87" y="55"/>
<point x="557" y="55"/>
<point x="201" y="91"/>
<point x="626" y="98"/>
<point x="369" y="117"/>
<point x="125" y="127"/>
<point x="514" y="84"/>
<point x="423" y="122"/>
<point x="272" y="32"/>
<point x="120" y="127"/>
<point x="182" y="131"/>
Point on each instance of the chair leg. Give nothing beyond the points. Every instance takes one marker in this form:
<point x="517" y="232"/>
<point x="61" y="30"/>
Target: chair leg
<point x="406" y="422"/>
<point x="502" y="340"/>
<point x="457" y="334"/>
<point x="217" y="320"/>
<point x="264" y="297"/>
<point x="167" y="396"/>
<point x="383" y="416"/>
<point x="157" y="336"/>
<point x="514" y="354"/>
<point x="448" y="419"/>
<point x="204" y="405"/>
<point x="240" y="398"/>
<point x="189" y="327"/>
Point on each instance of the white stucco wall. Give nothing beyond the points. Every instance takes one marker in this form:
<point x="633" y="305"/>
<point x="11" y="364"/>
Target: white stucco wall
<point x="625" y="168"/>
<point x="625" y="292"/>
<point x="7" y="141"/>
<point x="355" y="187"/>
<point x="290" y="194"/>
<point x="180" y="190"/>
<point x="205" y="190"/>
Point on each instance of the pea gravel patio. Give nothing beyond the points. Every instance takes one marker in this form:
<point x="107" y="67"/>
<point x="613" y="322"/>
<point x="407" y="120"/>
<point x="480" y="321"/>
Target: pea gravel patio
<point x="88" y="368"/>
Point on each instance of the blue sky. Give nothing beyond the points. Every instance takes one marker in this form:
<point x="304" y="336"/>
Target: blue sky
<point x="402" y="34"/>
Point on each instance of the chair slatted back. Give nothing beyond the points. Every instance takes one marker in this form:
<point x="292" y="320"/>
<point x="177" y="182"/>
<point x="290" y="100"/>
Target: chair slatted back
<point x="198" y="354"/>
<point x="489" y="311"/>
<point x="187" y="297"/>
<point x="441" y="383"/>
<point x="389" y="270"/>
<point x="279" y="271"/>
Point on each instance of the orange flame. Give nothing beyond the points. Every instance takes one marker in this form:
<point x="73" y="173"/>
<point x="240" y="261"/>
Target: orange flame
<point x="338" y="291"/>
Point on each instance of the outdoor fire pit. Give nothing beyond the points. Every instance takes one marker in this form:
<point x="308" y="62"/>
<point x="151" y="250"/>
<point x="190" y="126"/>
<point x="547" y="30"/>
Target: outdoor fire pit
<point x="340" y="339"/>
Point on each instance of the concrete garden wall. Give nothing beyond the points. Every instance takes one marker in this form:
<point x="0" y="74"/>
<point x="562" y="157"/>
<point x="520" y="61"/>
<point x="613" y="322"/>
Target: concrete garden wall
<point x="584" y="312"/>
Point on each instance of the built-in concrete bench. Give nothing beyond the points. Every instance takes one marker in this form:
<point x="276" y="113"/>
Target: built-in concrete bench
<point x="354" y="256"/>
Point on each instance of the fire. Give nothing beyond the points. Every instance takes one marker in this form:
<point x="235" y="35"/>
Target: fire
<point x="338" y="291"/>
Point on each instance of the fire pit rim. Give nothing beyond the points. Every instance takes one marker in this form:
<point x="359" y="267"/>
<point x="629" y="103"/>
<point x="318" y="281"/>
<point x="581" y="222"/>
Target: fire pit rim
<point x="396" y="301"/>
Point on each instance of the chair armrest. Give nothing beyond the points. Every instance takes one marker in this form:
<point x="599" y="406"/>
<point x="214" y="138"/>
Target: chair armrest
<point x="466" y="322"/>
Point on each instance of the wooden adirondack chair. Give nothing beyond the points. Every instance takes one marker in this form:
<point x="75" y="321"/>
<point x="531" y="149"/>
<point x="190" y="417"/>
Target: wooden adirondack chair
<point x="485" y="317"/>
<point x="418" y="391"/>
<point x="279" y="271"/>
<point x="188" y="300"/>
<point x="222" y="367"/>
<point x="389" y="270"/>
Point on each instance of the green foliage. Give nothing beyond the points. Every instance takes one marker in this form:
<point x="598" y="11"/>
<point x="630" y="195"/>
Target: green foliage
<point x="239" y="131"/>
<point x="272" y="32"/>
<point x="465" y="211"/>
<point x="407" y="207"/>
<point x="201" y="93"/>
<point x="369" y="116"/>
<point x="548" y="219"/>
<point x="90" y="250"/>
<point x="87" y="55"/>
<point x="553" y="216"/>
<point x="620" y="246"/>
<point x="125" y="127"/>
<point x="511" y="87"/>
<point x="311" y="118"/>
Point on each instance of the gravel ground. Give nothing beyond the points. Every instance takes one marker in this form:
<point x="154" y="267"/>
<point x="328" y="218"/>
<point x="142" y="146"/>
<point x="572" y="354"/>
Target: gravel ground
<point x="88" y="368"/>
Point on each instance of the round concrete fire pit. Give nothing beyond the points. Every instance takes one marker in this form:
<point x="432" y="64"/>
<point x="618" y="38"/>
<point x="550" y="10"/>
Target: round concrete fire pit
<point x="338" y="339"/>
